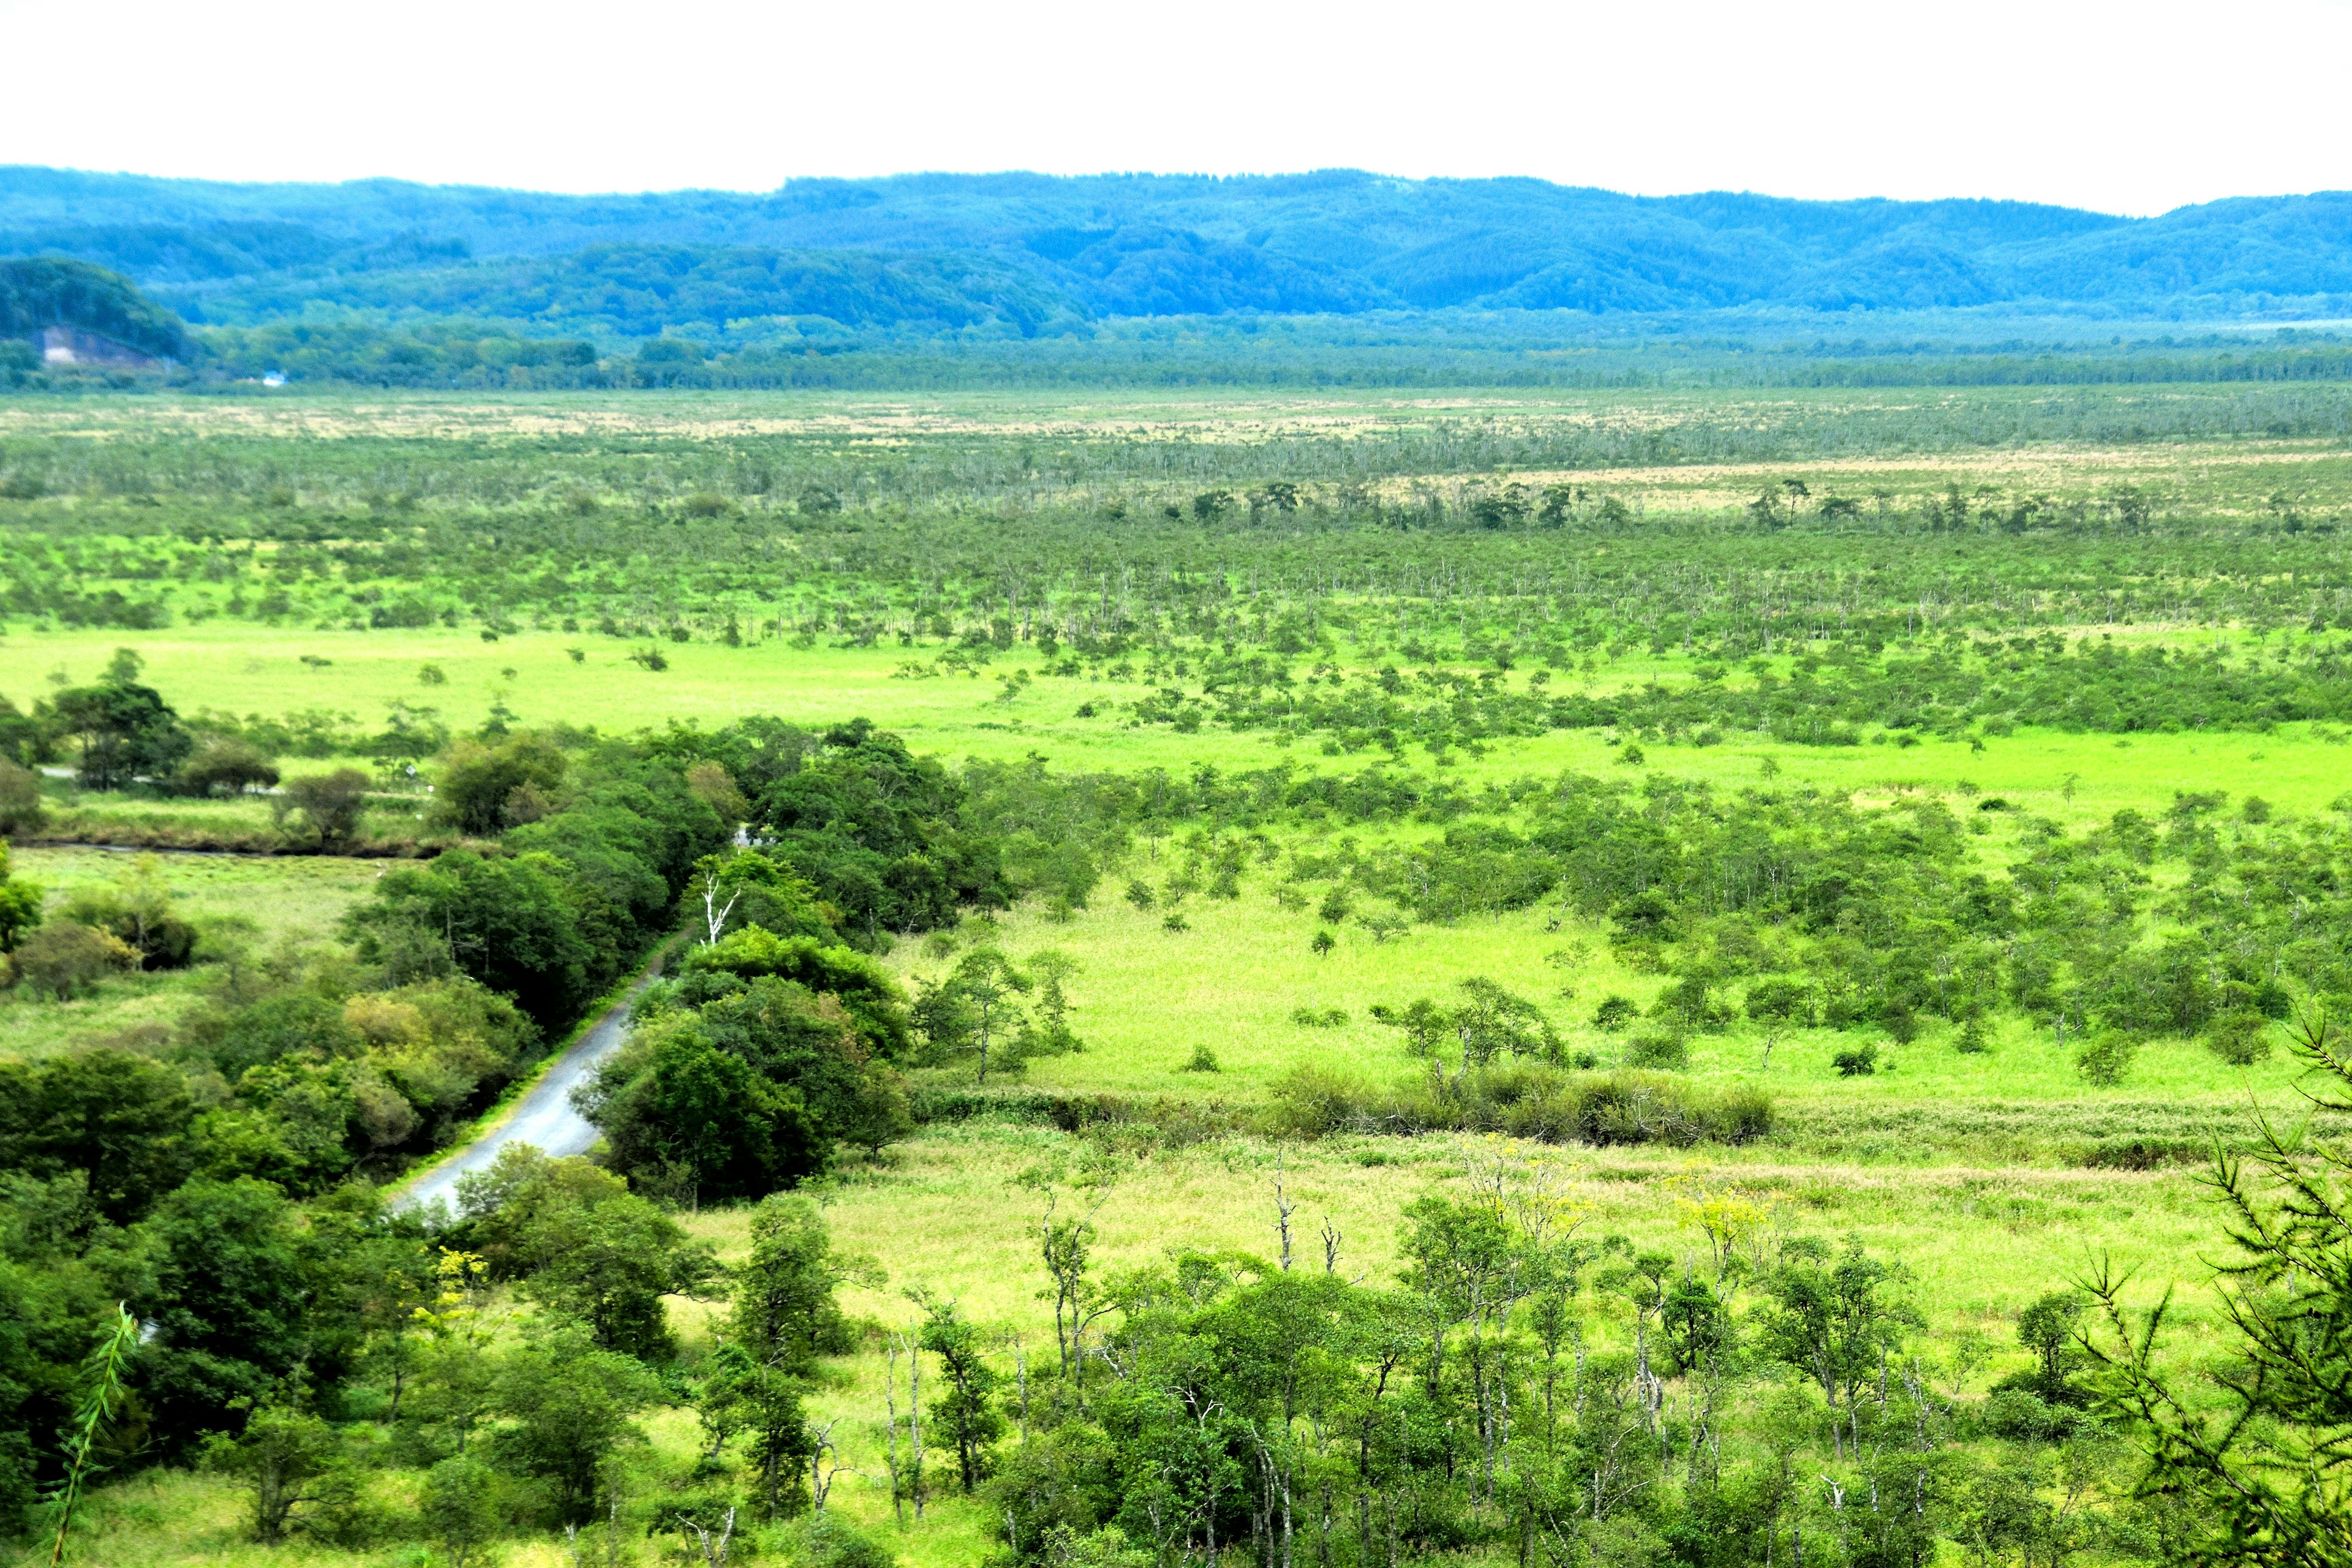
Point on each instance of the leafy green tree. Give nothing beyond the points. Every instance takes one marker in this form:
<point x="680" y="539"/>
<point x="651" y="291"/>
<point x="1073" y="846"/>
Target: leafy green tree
<point x="707" y="1116"/>
<point x="126" y="731"/>
<point x="607" y="1264"/>
<point x="293" y="1464"/>
<point x="785" y="1311"/>
<point x="65" y="958"/>
<point x="784" y="1316"/>
<point x="986" y="982"/>
<point x="330" y="804"/>
<point x="2049" y="1327"/>
<point x="137" y="910"/>
<point x="456" y="1392"/>
<point x="967" y="1412"/>
<point x="569" y="1406"/>
<point x="751" y="1086"/>
<point x="763" y="1402"/>
<point x="458" y="1506"/>
<point x="227" y="765"/>
<point x="875" y="829"/>
<point x="484" y="790"/>
<point x="233" y="1310"/>
<point x="121" y="1120"/>
<point x="866" y="990"/>
<point x="517" y="924"/>
<point x="22" y="809"/>
<point x="1836" y="1319"/>
<point x="742" y="887"/>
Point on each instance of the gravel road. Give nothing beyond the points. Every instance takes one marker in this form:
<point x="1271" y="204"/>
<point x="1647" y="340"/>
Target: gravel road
<point x="544" y="1117"/>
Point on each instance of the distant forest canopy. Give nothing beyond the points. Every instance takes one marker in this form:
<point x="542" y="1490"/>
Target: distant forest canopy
<point x="1331" y="276"/>
<point x="38" y="292"/>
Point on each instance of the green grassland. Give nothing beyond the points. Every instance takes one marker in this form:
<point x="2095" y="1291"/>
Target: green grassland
<point x="816" y="557"/>
<point x="238" y="670"/>
<point x="291" y="901"/>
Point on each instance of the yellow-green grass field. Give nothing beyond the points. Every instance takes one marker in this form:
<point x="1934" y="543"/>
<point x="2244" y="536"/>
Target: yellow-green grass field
<point x="289" y="898"/>
<point x="1145" y="998"/>
<point x="2072" y="779"/>
<point x="2229" y="475"/>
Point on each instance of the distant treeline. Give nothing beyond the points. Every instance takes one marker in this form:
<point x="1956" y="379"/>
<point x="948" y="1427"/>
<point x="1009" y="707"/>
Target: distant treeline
<point x="485" y="355"/>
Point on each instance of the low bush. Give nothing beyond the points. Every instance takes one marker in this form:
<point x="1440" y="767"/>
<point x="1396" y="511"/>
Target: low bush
<point x="1658" y="1050"/>
<point x="65" y="957"/>
<point x="1527" y="1099"/>
<point x="1860" y="1062"/>
<point x="2105" y="1058"/>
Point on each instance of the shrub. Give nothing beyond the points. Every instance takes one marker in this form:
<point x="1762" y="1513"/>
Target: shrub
<point x="20" y="800"/>
<point x="1614" y="1012"/>
<point x="1860" y="1062"/>
<point x="828" y="1543"/>
<point x="1785" y="1001"/>
<point x="1690" y="1001"/>
<point x="2241" y="1038"/>
<point x="2105" y="1058"/>
<point x="20" y="904"/>
<point x="1203" y="1061"/>
<point x="330" y="803"/>
<point x="2021" y="1415"/>
<point x="1527" y="1099"/>
<point x="137" y="912"/>
<point x="65" y="957"/>
<point x="1658" y="1049"/>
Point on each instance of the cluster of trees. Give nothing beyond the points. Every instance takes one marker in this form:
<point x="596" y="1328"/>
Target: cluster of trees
<point x="1834" y="695"/>
<point x="122" y="734"/>
<point x="1789" y="909"/>
<point x="1521" y="1383"/>
<point x="776" y="1042"/>
<point x="1527" y="1388"/>
<point x="217" y="1177"/>
<point x="1523" y="1388"/>
<point x="766" y="1052"/>
<point x="503" y="1359"/>
<point x="576" y="864"/>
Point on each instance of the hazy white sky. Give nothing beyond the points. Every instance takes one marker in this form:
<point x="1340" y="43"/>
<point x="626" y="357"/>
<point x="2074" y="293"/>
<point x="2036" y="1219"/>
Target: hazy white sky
<point x="2124" y="106"/>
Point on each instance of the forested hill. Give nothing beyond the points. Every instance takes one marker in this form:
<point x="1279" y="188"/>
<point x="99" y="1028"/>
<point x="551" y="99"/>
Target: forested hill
<point x="1019" y="254"/>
